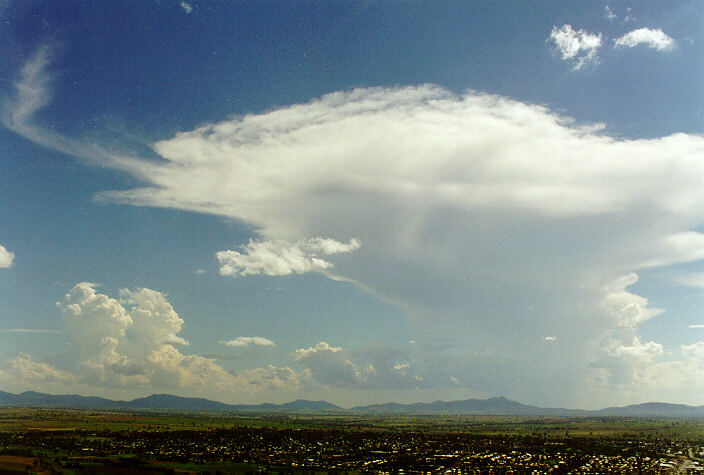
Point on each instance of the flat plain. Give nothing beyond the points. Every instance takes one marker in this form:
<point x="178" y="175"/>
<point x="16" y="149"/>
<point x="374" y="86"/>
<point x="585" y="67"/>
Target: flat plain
<point x="79" y="441"/>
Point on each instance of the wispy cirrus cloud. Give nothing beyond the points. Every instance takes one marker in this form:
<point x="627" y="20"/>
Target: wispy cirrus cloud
<point x="33" y="92"/>
<point x="650" y="37"/>
<point x="28" y="330"/>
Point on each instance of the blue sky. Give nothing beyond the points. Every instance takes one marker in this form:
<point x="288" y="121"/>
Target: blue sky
<point x="353" y="201"/>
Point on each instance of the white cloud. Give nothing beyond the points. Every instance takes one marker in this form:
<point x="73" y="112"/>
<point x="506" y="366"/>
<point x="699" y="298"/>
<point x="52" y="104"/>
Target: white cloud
<point x="282" y="258"/>
<point x="6" y="258"/>
<point x="680" y="379"/>
<point x="130" y="343"/>
<point x="245" y="341"/>
<point x="154" y="319"/>
<point x="321" y="347"/>
<point x="273" y="378"/>
<point x="472" y="209"/>
<point x="608" y="13"/>
<point x="650" y="37"/>
<point x="329" y="365"/>
<point x="199" y="271"/>
<point x="626" y="363"/>
<point x="627" y="310"/>
<point x="579" y="47"/>
<point x="33" y="92"/>
<point x="696" y="326"/>
<point x="186" y="7"/>
<point x="550" y="338"/>
<point x="376" y="367"/>
<point x="22" y="373"/>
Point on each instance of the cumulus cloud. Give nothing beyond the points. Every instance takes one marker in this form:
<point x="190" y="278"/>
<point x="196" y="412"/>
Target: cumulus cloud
<point x="131" y="342"/>
<point x="245" y="341"/>
<point x="608" y="13"/>
<point x="375" y="367"/>
<point x="623" y="356"/>
<point x="472" y="209"/>
<point x="282" y="258"/>
<point x="627" y="310"/>
<point x="6" y="258"/>
<point x="626" y="363"/>
<point x="679" y="378"/>
<point x="650" y="37"/>
<point x="579" y="47"/>
<point x="22" y="373"/>
<point x="186" y="7"/>
<point x="329" y="365"/>
<point x="154" y="319"/>
<point x="550" y="338"/>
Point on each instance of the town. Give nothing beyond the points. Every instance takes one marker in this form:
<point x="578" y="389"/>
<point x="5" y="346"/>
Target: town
<point x="279" y="444"/>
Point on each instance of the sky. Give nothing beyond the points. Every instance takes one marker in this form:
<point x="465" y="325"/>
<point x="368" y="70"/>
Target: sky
<point x="355" y="201"/>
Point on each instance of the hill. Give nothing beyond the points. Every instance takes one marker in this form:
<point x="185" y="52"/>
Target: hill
<point x="493" y="406"/>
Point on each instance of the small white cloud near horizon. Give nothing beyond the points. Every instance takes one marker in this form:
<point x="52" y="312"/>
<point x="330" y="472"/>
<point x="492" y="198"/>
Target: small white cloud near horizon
<point x="696" y="326"/>
<point x="186" y="7"/>
<point x="199" y="271"/>
<point x="650" y="37"/>
<point x="579" y="47"/>
<point x="276" y="258"/>
<point x="245" y="341"/>
<point x="550" y="338"/>
<point x="6" y="258"/>
<point x="374" y="367"/>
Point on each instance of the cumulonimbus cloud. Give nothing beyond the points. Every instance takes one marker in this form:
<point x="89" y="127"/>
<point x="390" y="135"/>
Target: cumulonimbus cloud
<point x="476" y="212"/>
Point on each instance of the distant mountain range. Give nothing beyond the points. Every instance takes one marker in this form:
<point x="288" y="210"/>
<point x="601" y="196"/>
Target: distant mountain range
<point x="492" y="406"/>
